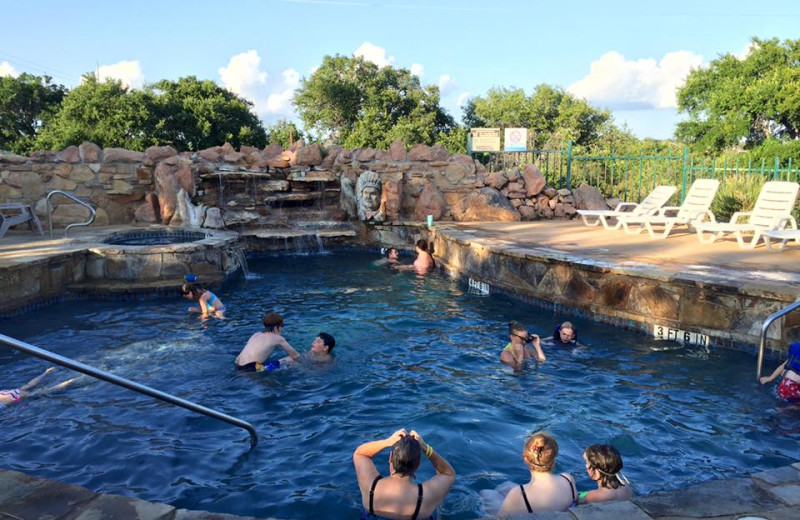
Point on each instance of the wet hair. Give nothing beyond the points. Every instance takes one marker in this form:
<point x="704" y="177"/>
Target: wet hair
<point x="567" y="325"/>
<point x="540" y="452"/>
<point x="516" y="327"/>
<point x="607" y="461"/>
<point x="190" y="288"/>
<point x="327" y="340"/>
<point x="389" y="251"/>
<point x="423" y="244"/>
<point x="406" y="456"/>
<point x="271" y="321"/>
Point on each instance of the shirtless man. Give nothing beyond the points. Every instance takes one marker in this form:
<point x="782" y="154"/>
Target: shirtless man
<point x="516" y="352"/>
<point x="261" y="344"/>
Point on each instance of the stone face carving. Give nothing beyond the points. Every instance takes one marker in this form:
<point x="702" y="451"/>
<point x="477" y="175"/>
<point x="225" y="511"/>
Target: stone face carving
<point x="368" y="192"/>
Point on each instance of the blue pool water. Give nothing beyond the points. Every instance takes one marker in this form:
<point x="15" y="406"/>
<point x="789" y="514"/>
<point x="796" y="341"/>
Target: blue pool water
<point x="412" y="352"/>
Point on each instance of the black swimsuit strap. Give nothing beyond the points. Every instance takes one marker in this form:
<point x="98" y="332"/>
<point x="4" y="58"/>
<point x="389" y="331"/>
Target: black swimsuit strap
<point x="525" y="498"/>
<point x="571" y="489"/>
<point x="372" y="493"/>
<point x="419" y="502"/>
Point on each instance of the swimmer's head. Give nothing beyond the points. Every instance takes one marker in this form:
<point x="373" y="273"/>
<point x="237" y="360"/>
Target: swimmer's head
<point x="607" y="462"/>
<point x="566" y="332"/>
<point x="422" y="244"/>
<point x="540" y="452"/>
<point x="391" y="253"/>
<point x="405" y="456"/>
<point x="518" y="330"/>
<point x="191" y="291"/>
<point x="271" y="321"/>
<point x="323" y="343"/>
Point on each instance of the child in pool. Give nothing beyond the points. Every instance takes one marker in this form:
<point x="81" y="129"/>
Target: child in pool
<point x="789" y="387"/>
<point x="9" y="397"/>
<point x="604" y="466"/>
<point x="210" y="305"/>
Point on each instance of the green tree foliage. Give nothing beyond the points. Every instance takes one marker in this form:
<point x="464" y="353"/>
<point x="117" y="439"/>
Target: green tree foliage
<point x="188" y="114"/>
<point x="454" y="140"/>
<point x="26" y="103"/>
<point x="743" y="101"/>
<point x="105" y="113"/>
<point x="192" y="115"/>
<point x="358" y="104"/>
<point x="283" y="133"/>
<point x="549" y="113"/>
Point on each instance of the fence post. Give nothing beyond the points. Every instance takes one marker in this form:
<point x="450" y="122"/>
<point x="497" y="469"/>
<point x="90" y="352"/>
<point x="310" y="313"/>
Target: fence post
<point x="683" y="174"/>
<point x="777" y="170"/>
<point x="569" y="165"/>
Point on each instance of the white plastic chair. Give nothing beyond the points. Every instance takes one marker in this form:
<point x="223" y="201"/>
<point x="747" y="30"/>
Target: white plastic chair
<point x="654" y="200"/>
<point x="14" y="213"/>
<point x="696" y="207"/>
<point x="782" y="236"/>
<point x="772" y="212"/>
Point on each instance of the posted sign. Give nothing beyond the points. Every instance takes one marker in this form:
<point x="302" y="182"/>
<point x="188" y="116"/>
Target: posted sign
<point x="485" y="139"/>
<point x="516" y="140"/>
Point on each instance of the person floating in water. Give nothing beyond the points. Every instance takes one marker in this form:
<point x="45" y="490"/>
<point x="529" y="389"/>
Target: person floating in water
<point x="210" y="305"/>
<point x="397" y="496"/>
<point x="392" y="258"/>
<point x="259" y="347"/>
<point x="320" y="350"/>
<point x="516" y="352"/>
<point x="565" y="334"/>
<point x="789" y="387"/>
<point x="9" y="397"/>
<point x="604" y="466"/>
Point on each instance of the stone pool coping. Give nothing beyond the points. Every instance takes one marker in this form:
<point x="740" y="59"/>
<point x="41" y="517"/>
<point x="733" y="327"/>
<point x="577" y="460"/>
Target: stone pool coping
<point x="772" y="494"/>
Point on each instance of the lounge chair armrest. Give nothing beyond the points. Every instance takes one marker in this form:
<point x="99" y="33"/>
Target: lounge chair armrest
<point x="622" y="205"/>
<point x="662" y="211"/>
<point x="736" y="216"/>
<point x="701" y="216"/>
<point x="785" y="222"/>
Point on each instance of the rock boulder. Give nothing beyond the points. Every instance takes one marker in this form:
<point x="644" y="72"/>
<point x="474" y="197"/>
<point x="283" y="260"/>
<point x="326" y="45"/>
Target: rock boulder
<point x="588" y="197"/>
<point x="486" y="204"/>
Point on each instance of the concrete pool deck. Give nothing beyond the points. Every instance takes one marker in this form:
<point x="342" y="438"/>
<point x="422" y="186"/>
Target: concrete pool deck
<point x="771" y="495"/>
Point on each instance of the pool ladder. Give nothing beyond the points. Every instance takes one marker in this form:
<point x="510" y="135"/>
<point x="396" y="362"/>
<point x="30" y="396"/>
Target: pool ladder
<point x="76" y="199"/>
<point x="770" y="319"/>
<point x="130" y="385"/>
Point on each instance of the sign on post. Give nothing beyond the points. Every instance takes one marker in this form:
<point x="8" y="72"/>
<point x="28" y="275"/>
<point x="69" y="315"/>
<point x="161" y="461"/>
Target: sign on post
<point x="516" y="140"/>
<point x="485" y="139"/>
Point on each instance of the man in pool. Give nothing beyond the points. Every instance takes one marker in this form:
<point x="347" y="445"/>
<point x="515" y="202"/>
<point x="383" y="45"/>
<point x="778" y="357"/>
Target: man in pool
<point x="320" y="351"/>
<point x="517" y="351"/>
<point x="565" y="334"/>
<point x="259" y="347"/>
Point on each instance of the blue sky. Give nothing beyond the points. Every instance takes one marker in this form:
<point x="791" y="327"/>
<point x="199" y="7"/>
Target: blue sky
<point x="623" y="55"/>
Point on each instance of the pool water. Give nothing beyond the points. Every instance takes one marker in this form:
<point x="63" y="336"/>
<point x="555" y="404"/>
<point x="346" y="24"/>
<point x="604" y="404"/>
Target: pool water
<point x="412" y="351"/>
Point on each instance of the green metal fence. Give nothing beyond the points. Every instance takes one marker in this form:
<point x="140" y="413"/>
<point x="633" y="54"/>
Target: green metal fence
<point x="632" y="177"/>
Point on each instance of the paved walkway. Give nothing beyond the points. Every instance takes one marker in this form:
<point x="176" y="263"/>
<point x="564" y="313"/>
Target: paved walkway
<point x="772" y="495"/>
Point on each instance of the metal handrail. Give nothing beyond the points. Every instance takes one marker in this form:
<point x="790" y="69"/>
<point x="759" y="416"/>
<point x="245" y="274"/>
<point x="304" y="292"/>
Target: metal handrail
<point x="130" y="385"/>
<point x="771" y="318"/>
<point x="76" y="199"/>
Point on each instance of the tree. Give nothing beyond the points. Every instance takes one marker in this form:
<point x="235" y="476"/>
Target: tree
<point x="106" y="113"/>
<point x="26" y="103"/>
<point x="359" y="104"/>
<point x="547" y="113"/>
<point x="192" y="115"/>
<point x="747" y="102"/>
<point x="283" y="133"/>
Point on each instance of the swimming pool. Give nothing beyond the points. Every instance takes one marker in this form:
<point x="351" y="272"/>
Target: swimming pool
<point x="412" y="352"/>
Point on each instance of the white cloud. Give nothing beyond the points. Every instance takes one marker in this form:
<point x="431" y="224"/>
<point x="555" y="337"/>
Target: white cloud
<point x="446" y="84"/>
<point x="751" y="46"/>
<point x="128" y="72"/>
<point x="7" y="70"/>
<point x="271" y="98"/>
<point x="417" y="69"/>
<point x="462" y="99"/>
<point x="621" y="83"/>
<point x="375" y="54"/>
<point x="242" y="75"/>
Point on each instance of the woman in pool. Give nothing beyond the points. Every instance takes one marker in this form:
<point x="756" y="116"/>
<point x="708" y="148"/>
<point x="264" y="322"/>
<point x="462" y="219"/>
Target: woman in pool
<point x="545" y="491"/>
<point x="9" y="397"/>
<point x="604" y="466"/>
<point x="397" y="496"/>
<point x="424" y="261"/>
<point x="789" y="387"/>
<point x="210" y="305"/>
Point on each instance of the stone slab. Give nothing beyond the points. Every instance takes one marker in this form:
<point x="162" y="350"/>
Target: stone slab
<point x="789" y="493"/>
<point x="784" y="475"/>
<point x="610" y="511"/>
<point x="112" y="507"/>
<point x="47" y="500"/>
<point x="709" y="499"/>
<point x="15" y="484"/>
<point x="186" y="514"/>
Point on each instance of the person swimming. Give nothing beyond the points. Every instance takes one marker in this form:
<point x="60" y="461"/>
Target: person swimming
<point x="517" y="351"/>
<point x="565" y="334"/>
<point x="789" y="387"/>
<point x="210" y="304"/>
<point x="253" y="357"/>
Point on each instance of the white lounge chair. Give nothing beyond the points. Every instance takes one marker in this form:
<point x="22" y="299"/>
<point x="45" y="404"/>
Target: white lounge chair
<point x="782" y="235"/>
<point x="772" y="212"/>
<point x="14" y="213"/>
<point x="654" y="200"/>
<point x="696" y="207"/>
